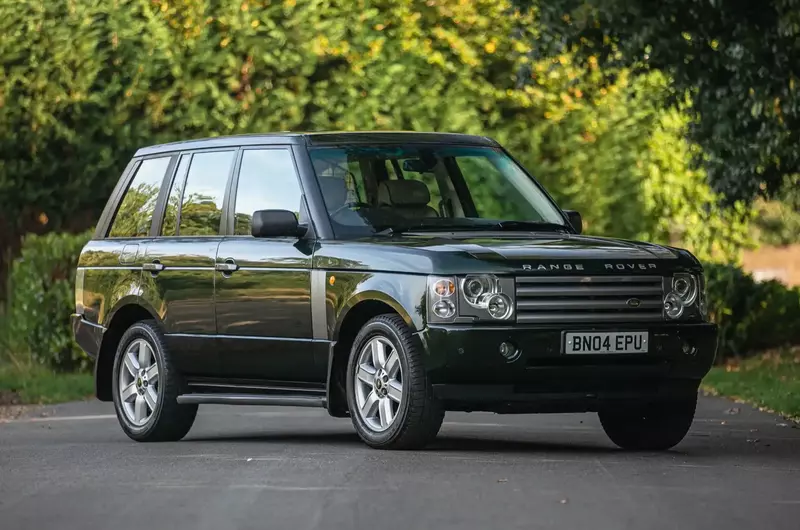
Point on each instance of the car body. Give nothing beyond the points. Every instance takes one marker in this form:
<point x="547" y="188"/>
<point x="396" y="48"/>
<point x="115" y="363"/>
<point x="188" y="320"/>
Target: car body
<point x="255" y="306"/>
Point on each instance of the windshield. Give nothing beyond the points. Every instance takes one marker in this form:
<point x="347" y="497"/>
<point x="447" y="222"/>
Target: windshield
<point x="389" y="189"/>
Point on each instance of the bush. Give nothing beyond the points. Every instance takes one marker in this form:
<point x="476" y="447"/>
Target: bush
<point x="41" y="298"/>
<point x="752" y="316"/>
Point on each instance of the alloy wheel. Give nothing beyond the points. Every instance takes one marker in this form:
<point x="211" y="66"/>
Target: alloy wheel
<point x="378" y="384"/>
<point x="138" y="382"/>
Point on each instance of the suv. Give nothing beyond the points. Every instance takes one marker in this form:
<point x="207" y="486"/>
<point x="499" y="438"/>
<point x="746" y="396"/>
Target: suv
<point x="387" y="277"/>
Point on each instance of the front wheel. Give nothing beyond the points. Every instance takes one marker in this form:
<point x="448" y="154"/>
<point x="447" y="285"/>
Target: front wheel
<point x="652" y="427"/>
<point x="388" y="393"/>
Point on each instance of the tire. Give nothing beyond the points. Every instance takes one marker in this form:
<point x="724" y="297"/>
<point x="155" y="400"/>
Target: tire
<point x="654" y="427"/>
<point x="417" y="417"/>
<point x="167" y="420"/>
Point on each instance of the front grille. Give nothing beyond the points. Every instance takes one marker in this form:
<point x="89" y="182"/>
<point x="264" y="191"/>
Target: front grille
<point x="552" y="299"/>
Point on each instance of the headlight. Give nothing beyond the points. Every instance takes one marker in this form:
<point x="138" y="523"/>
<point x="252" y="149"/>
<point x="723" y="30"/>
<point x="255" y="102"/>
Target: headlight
<point x="441" y="299"/>
<point x="473" y="297"/>
<point x="499" y="306"/>
<point x="685" y="286"/>
<point x="685" y="297"/>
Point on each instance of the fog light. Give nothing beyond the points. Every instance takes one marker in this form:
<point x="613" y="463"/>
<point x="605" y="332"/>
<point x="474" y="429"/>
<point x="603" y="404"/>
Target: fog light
<point x="673" y="306"/>
<point x="688" y="349"/>
<point x="509" y="351"/>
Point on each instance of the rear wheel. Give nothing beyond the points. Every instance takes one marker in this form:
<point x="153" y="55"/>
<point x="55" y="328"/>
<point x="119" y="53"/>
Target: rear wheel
<point x="388" y="393"/>
<point x="654" y="427"/>
<point x="146" y="386"/>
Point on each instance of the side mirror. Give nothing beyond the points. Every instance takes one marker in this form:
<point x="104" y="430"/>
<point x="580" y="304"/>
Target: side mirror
<point x="575" y="220"/>
<point x="276" y="223"/>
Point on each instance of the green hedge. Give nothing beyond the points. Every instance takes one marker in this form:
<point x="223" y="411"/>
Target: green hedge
<point x="752" y="315"/>
<point x="41" y="298"/>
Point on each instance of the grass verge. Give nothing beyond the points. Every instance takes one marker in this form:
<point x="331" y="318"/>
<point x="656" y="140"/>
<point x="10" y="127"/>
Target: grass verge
<point x="36" y="385"/>
<point x="770" y="381"/>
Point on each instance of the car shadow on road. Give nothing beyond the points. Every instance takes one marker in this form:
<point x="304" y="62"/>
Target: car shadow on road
<point x="442" y="444"/>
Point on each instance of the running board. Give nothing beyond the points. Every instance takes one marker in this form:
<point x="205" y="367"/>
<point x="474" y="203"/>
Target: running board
<point x="252" y="399"/>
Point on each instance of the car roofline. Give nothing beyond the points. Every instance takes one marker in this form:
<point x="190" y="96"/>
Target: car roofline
<point x="318" y="139"/>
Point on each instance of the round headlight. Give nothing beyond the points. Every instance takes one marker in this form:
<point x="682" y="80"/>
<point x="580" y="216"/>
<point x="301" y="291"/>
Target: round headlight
<point x="685" y="286"/>
<point x="682" y="287"/>
<point x="673" y="306"/>
<point x="476" y="286"/>
<point x="444" y="309"/>
<point x="499" y="306"/>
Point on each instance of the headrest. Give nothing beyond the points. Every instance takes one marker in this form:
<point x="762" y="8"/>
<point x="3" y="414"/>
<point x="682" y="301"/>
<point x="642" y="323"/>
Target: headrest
<point x="404" y="193"/>
<point x="334" y="191"/>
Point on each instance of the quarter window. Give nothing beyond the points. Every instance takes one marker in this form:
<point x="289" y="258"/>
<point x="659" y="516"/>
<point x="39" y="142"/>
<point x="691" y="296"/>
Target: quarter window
<point x="135" y="213"/>
<point x="203" y="193"/>
<point x="267" y="181"/>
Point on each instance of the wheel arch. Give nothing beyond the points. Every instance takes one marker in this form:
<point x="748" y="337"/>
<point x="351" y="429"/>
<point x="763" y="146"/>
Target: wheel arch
<point x="348" y="326"/>
<point x="123" y="317"/>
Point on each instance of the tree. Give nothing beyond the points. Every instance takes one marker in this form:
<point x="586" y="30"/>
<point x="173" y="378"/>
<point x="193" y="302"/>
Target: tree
<point x="738" y="59"/>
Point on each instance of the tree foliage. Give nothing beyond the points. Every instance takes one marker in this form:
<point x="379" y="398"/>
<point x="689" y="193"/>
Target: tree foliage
<point x="86" y="82"/>
<point x="739" y="60"/>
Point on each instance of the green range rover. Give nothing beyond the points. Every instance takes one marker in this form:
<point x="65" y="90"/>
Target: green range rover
<point x="388" y="277"/>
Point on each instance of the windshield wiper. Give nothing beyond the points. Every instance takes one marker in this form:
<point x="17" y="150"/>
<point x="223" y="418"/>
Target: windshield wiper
<point x="530" y="225"/>
<point x="402" y="229"/>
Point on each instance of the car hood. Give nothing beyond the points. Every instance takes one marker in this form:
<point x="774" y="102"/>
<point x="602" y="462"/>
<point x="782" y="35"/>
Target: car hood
<point x="503" y="253"/>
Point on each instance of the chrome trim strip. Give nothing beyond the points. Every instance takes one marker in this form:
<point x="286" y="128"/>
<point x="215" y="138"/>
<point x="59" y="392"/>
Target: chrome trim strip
<point x="319" y="316"/>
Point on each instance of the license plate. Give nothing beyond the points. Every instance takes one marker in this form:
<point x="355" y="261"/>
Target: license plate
<point x="607" y="342"/>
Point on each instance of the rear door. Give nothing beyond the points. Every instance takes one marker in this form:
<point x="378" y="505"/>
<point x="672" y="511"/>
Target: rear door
<point x="111" y="265"/>
<point x="263" y="300"/>
<point x="179" y="262"/>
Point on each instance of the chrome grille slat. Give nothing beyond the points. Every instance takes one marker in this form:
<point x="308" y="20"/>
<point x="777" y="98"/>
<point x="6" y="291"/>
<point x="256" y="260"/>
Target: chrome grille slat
<point x="528" y="318"/>
<point x="588" y="290"/>
<point x="586" y="299"/>
<point x="586" y="304"/>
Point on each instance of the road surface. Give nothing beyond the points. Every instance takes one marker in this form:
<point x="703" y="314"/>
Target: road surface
<point x="297" y="469"/>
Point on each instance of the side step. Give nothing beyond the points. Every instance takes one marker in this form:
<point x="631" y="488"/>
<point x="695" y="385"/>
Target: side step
<point x="252" y="399"/>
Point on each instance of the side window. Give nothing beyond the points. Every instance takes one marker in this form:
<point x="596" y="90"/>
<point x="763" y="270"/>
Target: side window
<point x="170" y="225"/>
<point x="267" y="181"/>
<point x="203" y="193"/>
<point x="135" y="213"/>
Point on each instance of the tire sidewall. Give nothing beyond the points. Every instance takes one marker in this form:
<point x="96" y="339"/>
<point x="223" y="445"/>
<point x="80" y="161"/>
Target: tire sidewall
<point x="135" y="332"/>
<point x="388" y="332"/>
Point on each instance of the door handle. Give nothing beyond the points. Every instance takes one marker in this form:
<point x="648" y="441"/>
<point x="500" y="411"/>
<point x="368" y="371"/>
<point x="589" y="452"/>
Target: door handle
<point x="153" y="267"/>
<point x="228" y="267"/>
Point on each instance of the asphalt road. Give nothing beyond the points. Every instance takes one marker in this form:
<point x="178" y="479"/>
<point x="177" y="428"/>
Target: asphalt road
<point x="297" y="469"/>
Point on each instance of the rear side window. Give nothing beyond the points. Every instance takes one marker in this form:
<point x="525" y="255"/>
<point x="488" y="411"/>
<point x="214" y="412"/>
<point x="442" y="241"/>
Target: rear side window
<point x="194" y="204"/>
<point x="135" y="212"/>
<point x="267" y="181"/>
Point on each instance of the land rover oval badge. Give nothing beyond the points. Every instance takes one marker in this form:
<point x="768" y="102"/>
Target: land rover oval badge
<point x="634" y="302"/>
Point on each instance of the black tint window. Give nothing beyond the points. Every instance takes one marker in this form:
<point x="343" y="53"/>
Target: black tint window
<point x="201" y="208"/>
<point x="170" y="225"/>
<point x="135" y="213"/>
<point x="267" y="181"/>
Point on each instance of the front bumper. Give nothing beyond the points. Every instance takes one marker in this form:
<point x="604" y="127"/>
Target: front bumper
<point x="468" y="372"/>
<point x="89" y="336"/>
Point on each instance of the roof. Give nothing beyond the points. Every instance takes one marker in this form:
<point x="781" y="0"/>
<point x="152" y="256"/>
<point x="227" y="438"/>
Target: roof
<point x="319" y="139"/>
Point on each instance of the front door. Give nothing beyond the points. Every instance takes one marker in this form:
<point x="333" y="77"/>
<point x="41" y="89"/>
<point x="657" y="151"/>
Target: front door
<point x="179" y="263"/>
<point x="263" y="290"/>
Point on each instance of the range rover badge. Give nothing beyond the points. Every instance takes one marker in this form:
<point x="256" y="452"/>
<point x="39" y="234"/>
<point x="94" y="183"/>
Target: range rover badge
<point x="634" y="302"/>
